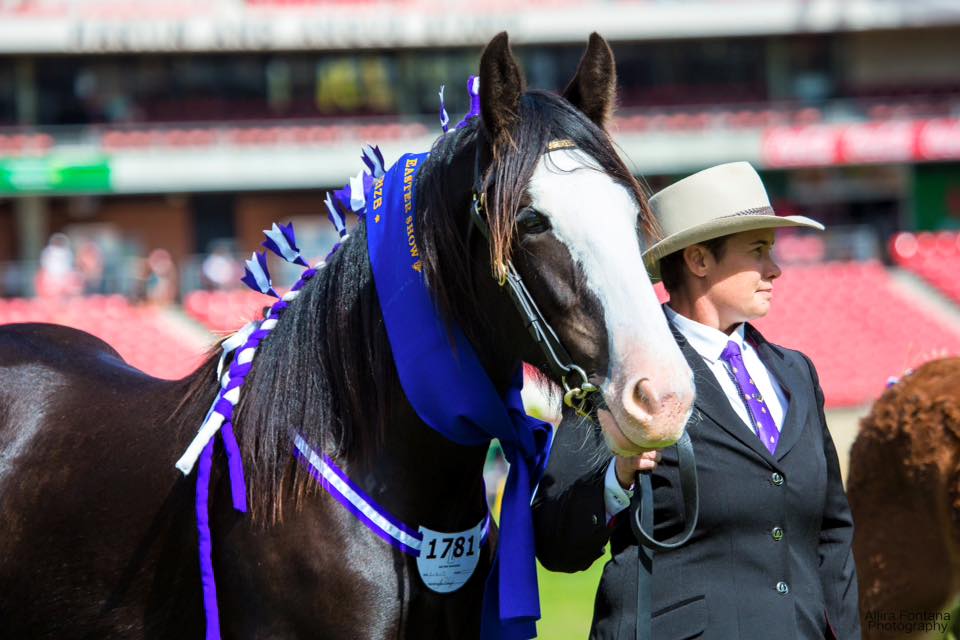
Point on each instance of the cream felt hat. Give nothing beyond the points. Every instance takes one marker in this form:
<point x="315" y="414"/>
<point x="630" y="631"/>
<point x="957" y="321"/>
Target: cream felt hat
<point x="719" y="201"/>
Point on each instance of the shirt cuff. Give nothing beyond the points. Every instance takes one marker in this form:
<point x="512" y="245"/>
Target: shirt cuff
<point x="615" y="497"/>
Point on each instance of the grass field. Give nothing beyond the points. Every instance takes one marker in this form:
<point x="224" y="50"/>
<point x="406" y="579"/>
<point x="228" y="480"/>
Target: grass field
<point x="566" y="602"/>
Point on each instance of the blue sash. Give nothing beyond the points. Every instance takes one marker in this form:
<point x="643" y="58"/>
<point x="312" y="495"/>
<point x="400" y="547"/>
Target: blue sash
<point x="452" y="393"/>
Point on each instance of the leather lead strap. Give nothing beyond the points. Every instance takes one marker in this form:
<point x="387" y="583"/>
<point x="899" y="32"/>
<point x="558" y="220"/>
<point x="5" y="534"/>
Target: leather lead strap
<point x="643" y="502"/>
<point x="641" y="521"/>
<point x="691" y="502"/>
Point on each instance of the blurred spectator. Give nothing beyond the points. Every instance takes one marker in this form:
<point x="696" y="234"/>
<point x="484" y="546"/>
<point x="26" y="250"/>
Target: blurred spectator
<point x="90" y="266"/>
<point x="220" y="270"/>
<point x="57" y="276"/>
<point x="161" y="278"/>
<point x="13" y="281"/>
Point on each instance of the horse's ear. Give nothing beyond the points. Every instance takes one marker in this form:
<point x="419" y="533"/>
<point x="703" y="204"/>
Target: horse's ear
<point x="593" y="89"/>
<point x="501" y="85"/>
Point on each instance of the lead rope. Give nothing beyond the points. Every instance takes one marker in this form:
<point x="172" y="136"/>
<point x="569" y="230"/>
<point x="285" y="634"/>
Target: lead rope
<point x="641" y="520"/>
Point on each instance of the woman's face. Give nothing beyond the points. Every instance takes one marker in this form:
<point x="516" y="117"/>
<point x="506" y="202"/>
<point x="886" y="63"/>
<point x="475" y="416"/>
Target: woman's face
<point x="740" y="283"/>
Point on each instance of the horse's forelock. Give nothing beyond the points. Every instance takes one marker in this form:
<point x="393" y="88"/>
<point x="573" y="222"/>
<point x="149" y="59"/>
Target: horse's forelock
<point x="545" y="118"/>
<point x="445" y="184"/>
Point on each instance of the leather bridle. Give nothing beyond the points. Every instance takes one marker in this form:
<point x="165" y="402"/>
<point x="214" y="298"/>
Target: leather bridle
<point x="579" y="393"/>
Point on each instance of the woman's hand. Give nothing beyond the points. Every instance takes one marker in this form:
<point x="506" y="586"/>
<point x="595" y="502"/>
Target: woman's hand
<point x="627" y="468"/>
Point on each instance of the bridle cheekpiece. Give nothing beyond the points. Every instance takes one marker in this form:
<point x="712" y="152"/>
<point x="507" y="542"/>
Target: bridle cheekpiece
<point x="578" y="391"/>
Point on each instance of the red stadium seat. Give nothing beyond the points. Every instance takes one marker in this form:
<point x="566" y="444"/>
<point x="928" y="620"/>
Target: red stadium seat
<point x="935" y="257"/>
<point x="142" y="335"/>
<point x="855" y="325"/>
<point x="225" y="311"/>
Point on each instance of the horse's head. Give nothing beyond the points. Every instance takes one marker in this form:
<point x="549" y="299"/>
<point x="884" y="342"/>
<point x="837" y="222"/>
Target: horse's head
<point x="562" y="208"/>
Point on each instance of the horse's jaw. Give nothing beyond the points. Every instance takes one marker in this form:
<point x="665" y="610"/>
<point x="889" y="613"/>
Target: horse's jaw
<point x="647" y="383"/>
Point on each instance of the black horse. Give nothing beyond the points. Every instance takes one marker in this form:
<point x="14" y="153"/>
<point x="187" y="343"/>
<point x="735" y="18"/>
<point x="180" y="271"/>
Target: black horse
<point x="98" y="536"/>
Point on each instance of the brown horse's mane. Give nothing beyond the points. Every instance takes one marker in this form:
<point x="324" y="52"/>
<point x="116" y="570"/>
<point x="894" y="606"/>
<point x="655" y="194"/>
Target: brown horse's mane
<point x="921" y="413"/>
<point x="904" y="492"/>
<point x="326" y="370"/>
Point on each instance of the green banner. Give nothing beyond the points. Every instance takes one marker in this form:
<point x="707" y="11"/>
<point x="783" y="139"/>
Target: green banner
<point x="55" y="174"/>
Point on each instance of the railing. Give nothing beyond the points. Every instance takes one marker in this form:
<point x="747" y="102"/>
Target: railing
<point x="133" y="276"/>
<point x="39" y="140"/>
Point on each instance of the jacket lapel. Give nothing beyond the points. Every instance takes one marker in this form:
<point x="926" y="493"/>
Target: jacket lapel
<point x="712" y="401"/>
<point x="795" y="385"/>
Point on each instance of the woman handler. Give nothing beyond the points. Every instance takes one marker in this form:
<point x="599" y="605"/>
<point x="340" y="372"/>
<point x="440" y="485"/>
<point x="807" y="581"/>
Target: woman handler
<point x="770" y="556"/>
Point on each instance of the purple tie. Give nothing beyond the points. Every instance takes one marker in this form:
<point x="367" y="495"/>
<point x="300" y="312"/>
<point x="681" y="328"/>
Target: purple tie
<point x="762" y="420"/>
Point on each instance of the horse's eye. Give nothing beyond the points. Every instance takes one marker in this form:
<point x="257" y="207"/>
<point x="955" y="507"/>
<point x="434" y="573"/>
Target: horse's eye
<point x="530" y="221"/>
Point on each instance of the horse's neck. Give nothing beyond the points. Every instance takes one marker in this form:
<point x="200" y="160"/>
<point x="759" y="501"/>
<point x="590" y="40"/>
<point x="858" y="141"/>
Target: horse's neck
<point x="424" y="479"/>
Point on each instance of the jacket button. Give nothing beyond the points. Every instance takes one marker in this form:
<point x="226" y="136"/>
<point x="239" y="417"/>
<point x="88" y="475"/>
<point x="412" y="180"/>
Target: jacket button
<point x="782" y="588"/>
<point x="777" y="533"/>
<point x="776" y="478"/>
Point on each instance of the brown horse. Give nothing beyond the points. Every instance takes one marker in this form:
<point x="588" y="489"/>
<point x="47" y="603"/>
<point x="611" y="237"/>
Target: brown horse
<point x="904" y="491"/>
<point x="98" y="536"/>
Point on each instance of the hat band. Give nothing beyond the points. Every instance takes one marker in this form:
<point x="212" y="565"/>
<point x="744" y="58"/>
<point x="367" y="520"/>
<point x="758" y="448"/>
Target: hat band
<point x="755" y="211"/>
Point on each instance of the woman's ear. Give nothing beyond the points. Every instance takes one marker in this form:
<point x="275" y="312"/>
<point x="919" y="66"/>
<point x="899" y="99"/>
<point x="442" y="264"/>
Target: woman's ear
<point x="696" y="258"/>
<point x="501" y="85"/>
<point x="593" y="89"/>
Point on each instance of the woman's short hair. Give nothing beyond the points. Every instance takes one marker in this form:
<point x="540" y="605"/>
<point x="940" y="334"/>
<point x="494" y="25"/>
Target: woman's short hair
<point x="672" y="267"/>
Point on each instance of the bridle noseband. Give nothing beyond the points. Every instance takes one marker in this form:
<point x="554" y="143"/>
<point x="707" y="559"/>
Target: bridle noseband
<point x="579" y="393"/>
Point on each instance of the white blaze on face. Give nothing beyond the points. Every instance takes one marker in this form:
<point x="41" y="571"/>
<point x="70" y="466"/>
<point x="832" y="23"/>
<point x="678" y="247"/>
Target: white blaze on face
<point x="648" y="387"/>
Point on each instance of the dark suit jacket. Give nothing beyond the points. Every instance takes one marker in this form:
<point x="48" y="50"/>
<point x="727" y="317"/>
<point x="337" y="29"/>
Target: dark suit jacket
<point x="723" y="584"/>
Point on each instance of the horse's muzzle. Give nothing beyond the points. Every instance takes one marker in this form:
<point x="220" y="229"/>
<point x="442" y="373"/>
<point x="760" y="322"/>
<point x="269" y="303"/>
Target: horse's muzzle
<point x="647" y="414"/>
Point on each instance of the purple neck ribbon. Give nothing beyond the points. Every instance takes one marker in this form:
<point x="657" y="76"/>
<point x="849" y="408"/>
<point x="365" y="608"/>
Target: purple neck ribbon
<point x="470" y="411"/>
<point x="355" y="500"/>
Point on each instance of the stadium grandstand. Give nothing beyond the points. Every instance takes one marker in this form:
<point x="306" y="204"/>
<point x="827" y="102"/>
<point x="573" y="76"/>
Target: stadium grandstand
<point x="145" y="145"/>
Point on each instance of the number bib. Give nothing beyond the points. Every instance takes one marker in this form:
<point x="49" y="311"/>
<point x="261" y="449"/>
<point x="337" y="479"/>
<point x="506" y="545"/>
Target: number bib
<point x="447" y="560"/>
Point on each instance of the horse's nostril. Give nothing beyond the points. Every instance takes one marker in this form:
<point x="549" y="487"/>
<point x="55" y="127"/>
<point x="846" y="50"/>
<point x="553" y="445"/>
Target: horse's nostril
<point x="645" y="396"/>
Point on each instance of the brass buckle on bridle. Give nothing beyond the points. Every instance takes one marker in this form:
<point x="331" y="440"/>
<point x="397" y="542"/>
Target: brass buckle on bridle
<point x="576" y="397"/>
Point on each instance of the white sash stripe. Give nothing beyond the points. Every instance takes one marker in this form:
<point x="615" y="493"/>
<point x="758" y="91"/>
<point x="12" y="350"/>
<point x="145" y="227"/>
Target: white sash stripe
<point x="355" y="499"/>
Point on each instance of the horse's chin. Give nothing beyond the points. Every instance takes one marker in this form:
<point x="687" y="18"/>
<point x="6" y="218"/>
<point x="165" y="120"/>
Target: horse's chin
<point x="642" y="414"/>
<point x="640" y="440"/>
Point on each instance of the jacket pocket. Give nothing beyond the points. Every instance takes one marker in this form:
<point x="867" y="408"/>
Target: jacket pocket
<point x="681" y="621"/>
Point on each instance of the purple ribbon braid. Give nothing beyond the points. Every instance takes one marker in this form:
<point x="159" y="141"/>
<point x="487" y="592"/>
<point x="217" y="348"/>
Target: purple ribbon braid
<point x="224" y="406"/>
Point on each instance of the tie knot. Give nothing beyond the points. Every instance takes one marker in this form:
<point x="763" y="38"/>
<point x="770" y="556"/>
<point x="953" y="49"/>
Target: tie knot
<point x="732" y="350"/>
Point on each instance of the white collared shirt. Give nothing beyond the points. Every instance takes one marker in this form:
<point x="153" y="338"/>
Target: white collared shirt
<point x="710" y="343"/>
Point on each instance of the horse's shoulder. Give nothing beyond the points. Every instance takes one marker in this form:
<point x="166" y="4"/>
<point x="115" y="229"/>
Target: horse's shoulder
<point x="35" y="336"/>
<point x="56" y="348"/>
